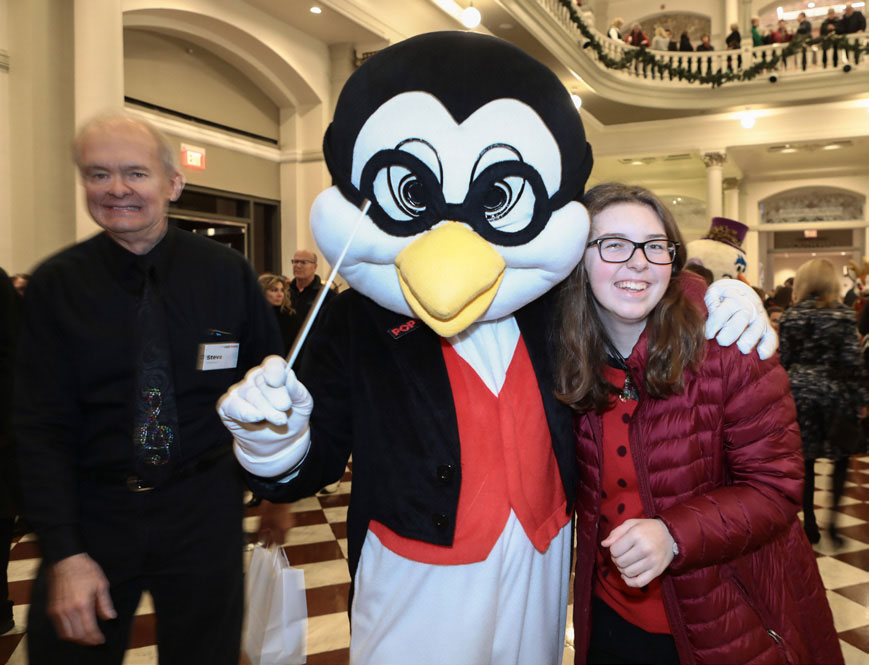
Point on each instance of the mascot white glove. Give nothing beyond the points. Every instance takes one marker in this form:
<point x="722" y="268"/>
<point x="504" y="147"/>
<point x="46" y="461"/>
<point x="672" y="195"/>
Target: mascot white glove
<point x="736" y="314"/>
<point x="268" y="414"/>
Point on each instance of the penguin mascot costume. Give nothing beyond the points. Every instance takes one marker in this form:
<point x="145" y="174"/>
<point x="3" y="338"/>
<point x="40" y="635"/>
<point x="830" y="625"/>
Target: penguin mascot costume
<point x="433" y="371"/>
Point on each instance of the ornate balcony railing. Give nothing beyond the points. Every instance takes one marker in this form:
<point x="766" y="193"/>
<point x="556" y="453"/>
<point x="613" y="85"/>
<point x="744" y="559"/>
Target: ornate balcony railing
<point x="805" y="57"/>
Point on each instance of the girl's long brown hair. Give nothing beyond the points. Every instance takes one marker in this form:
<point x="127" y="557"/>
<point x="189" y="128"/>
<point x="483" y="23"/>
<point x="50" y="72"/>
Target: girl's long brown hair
<point x="674" y="328"/>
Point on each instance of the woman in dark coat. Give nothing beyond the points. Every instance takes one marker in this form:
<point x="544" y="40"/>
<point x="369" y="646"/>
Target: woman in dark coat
<point x="275" y="292"/>
<point x="820" y="349"/>
<point x="689" y="549"/>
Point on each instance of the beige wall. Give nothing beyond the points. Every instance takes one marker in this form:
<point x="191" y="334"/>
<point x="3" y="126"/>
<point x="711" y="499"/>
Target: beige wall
<point x="42" y="182"/>
<point x="232" y="171"/>
<point x="181" y="76"/>
<point x="5" y="186"/>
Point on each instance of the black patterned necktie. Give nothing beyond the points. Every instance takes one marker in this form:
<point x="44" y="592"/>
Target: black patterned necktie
<point x="155" y="434"/>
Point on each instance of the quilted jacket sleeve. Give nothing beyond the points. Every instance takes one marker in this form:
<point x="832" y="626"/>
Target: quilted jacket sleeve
<point x="761" y="479"/>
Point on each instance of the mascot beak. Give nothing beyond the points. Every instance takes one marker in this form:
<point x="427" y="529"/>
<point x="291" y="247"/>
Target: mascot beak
<point x="449" y="277"/>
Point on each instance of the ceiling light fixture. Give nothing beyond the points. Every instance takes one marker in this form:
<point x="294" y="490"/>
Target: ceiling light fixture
<point x="747" y="120"/>
<point x="471" y="16"/>
<point x="316" y="10"/>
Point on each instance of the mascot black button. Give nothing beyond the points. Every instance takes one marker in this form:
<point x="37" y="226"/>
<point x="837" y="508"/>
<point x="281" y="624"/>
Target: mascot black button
<point x="440" y="520"/>
<point x="446" y="473"/>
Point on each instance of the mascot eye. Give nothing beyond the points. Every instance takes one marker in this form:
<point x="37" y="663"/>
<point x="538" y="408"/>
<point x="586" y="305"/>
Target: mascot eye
<point x="410" y="196"/>
<point x="508" y="204"/>
<point x="401" y="192"/>
<point x="500" y="199"/>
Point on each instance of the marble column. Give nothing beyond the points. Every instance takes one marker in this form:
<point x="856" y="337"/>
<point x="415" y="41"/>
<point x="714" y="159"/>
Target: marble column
<point x="714" y="162"/>
<point x="731" y="198"/>
<point x="99" y="73"/>
<point x="731" y="14"/>
<point x="40" y="115"/>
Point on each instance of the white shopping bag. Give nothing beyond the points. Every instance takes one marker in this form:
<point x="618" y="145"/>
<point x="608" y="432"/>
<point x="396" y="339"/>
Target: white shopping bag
<point x="276" y="628"/>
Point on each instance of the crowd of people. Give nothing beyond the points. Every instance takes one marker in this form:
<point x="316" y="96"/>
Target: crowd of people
<point x="146" y="355"/>
<point x="851" y="21"/>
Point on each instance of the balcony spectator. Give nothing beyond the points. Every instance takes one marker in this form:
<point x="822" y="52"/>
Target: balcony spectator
<point x="637" y="37"/>
<point x="660" y="40"/>
<point x="804" y="32"/>
<point x="830" y="24"/>
<point x="615" y="31"/>
<point x="734" y="39"/>
<point x="733" y="43"/>
<point x="671" y="43"/>
<point x="830" y="28"/>
<point x="756" y="37"/>
<point x="852" y="21"/>
<point x="685" y="43"/>
<point x="781" y="35"/>
<point x="804" y="29"/>
<point x="704" y="45"/>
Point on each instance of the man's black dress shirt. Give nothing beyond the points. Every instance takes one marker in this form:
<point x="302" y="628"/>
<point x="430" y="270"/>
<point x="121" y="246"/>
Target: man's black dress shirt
<point x="75" y="383"/>
<point x="303" y="300"/>
<point x="856" y="22"/>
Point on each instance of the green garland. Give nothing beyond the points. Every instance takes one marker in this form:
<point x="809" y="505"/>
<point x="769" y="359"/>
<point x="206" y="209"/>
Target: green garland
<point x="637" y="56"/>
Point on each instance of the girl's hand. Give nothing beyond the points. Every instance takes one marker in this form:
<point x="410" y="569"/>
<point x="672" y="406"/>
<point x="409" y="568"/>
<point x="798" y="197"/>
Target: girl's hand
<point x="641" y="549"/>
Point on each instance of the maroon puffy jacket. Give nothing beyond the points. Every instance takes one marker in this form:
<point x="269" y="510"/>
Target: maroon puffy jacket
<point x="721" y="466"/>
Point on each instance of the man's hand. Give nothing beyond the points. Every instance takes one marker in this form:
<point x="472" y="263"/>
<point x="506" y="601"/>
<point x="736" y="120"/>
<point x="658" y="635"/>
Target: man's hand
<point x="641" y="549"/>
<point x="275" y="520"/>
<point x="736" y="314"/>
<point x="78" y="591"/>
<point x="268" y="414"/>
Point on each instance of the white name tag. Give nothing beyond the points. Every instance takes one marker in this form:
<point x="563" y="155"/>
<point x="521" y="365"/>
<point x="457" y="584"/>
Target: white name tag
<point x="217" y="356"/>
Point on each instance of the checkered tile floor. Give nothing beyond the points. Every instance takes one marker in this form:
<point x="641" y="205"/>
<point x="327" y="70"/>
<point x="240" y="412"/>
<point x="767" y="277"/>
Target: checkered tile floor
<point x="318" y="544"/>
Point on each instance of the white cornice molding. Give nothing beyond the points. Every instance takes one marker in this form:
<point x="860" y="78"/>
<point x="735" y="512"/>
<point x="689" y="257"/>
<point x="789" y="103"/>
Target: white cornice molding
<point x="844" y="120"/>
<point x="366" y="19"/>
<point x="4" y="61"/>
<point x="197" y="133"/>
<point x="301" y="156"/>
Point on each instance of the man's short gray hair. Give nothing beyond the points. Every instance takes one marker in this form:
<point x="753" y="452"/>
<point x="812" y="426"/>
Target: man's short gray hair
<point x="165" y="149"/>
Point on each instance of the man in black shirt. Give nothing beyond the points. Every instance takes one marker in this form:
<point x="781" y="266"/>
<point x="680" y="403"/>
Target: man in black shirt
<point x="110" y="525"/>
<point x="306" y="282"/>
<point x="304" y="288"/>
<point x="852" y="21"/>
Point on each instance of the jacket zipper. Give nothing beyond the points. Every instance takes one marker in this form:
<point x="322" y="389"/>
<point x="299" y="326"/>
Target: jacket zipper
<point x="778" y="639"/>
<point x="596" y="424"/>
<point x="671" y="606"/>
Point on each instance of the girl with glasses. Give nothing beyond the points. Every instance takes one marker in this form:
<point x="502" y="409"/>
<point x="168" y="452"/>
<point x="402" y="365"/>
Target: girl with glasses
<point x="690" y="474"/>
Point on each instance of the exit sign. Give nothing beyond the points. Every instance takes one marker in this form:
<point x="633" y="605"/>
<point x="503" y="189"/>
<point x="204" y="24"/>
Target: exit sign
<point x="193" y="157"/>
<point x="810" y="233"/>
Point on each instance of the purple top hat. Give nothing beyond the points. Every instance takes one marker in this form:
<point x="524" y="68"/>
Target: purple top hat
<point x="728" y="231"/>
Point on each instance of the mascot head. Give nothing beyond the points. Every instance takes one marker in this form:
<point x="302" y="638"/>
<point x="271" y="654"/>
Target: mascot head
<point x="720" y="250"/>
<point x="474" y="160"/>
